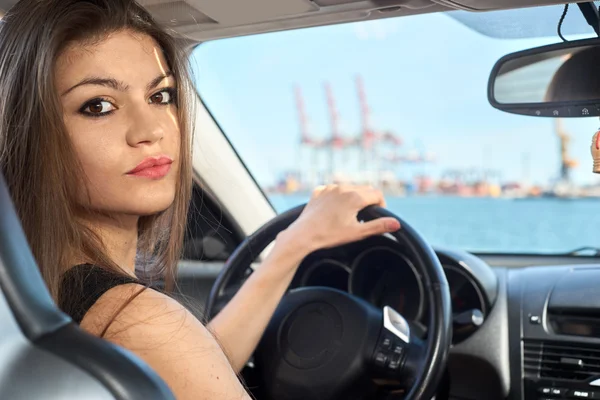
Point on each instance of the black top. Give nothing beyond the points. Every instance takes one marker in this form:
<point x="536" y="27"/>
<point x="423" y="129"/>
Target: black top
<point x="82" y="286"/>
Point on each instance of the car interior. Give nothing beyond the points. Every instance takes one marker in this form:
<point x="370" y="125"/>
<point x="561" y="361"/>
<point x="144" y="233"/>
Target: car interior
<point x="390" y="316"/>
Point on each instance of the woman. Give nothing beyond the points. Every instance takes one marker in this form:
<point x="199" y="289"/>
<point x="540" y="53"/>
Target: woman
<point x="95" y="147"/>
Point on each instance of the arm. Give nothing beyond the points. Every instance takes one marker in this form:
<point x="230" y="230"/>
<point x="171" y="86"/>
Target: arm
<point x="240" y="325"/>
<point x="169" y="339"/>
<point x="328" y="220"/>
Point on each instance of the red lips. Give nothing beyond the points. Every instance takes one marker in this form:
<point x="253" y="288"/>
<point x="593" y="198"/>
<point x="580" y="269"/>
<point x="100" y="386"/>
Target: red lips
<point x="152" y="167"/>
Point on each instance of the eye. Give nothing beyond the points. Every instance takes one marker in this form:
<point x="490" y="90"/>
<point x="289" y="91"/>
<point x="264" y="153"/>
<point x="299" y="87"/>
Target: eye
<point x="97" y="107"/>
<point x="165" y="96"/>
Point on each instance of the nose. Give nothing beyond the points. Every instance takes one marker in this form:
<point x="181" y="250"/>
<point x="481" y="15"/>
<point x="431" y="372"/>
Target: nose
<point x="148" y="125"/>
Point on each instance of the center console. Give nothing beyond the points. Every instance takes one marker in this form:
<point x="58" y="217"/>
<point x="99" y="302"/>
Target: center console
<point x="559" y="340"/>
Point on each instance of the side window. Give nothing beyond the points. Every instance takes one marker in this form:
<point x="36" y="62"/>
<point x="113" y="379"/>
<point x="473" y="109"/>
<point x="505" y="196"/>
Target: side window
<point x="210" y="234"/>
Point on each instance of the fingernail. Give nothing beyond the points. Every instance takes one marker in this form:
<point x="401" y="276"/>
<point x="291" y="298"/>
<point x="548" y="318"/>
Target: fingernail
<point x="392" y="225"/>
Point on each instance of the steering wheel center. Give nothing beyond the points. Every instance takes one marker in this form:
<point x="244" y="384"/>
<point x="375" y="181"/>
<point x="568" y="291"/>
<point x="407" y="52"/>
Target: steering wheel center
<point x="313" y="334"/>
<point x="318" y="335"/>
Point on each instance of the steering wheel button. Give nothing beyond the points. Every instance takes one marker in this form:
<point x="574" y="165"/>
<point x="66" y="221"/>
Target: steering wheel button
<point x="386" y="343"/>
<point x="380" y="359"/>
<point x="398" y="349"/>
<point x="394" y="364"/>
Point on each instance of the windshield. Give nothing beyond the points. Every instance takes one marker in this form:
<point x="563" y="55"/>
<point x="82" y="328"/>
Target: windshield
<point x="402" y="104"/>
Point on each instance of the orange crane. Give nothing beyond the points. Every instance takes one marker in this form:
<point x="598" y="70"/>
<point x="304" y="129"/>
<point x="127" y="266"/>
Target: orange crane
<point x="566" y="162"/>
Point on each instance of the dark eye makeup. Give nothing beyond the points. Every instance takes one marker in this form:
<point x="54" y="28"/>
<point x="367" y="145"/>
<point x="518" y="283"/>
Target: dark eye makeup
<point x="96" y="103"/>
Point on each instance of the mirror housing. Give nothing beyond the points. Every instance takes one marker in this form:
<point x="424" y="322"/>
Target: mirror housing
<point x="558" y="81"/>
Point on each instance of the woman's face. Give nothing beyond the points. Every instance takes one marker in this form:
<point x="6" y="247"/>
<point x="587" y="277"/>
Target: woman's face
<point x="119" y="107"/>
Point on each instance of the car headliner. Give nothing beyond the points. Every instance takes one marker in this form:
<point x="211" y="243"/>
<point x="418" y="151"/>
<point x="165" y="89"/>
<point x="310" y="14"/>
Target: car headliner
<point x="201" y="20"/>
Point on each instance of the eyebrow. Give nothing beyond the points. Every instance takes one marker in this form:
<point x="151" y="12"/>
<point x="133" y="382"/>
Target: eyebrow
<point x="115" y="84"/>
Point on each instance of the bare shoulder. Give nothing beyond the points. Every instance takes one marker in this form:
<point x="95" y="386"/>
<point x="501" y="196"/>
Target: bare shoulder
<point x="127" y="306"/>
<point x="169" y="338"/>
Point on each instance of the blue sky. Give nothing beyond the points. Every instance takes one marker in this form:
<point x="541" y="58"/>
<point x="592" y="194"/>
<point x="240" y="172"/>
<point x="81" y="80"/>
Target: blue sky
<point x="425" y="77"/>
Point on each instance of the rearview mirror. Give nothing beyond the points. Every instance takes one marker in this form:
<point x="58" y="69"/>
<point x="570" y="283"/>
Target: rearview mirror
<point x="561" y="80"/>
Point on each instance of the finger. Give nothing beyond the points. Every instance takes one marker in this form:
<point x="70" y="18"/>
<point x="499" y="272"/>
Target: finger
<point x="379" y="226"/>
<point x="318" y="190"/>
<point x="371" y="196"/>
<point x="358" y="188"/>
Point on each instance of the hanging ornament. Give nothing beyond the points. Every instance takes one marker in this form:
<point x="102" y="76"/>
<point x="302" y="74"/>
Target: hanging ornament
<point x="596" y="151"/>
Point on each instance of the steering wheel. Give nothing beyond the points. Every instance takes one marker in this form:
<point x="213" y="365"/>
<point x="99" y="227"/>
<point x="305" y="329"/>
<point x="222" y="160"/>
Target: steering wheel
<point x="325" y="344"/>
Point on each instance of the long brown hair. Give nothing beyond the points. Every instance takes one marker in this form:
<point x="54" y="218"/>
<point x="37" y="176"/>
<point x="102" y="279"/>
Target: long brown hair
<point x="36" y="157"/>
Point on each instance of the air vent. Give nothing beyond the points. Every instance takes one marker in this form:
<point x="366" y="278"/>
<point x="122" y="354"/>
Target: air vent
<point x="556" y="360"/>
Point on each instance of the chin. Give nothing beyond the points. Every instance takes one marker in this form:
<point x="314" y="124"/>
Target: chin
<point x="137" y="198"/>
<point x="149" y="205"/>
<point x="147" y="211"/>
<point x="140" y="204"/>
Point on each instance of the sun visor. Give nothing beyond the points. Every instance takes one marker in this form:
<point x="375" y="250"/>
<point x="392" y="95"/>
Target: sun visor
<point x="203" y="20"/>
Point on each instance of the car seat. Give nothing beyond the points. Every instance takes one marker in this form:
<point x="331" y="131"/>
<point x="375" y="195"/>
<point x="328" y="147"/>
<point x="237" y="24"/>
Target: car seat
<point x="43" y="353"/>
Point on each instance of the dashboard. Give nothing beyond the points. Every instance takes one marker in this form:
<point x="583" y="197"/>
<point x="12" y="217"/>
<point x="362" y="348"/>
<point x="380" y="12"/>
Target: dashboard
<point x="527" y="328"/>
<point x="528" y="333"/>
<point x="381" y="272"/>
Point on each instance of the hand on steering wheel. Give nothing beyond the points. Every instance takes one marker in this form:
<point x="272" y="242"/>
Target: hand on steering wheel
<point x="329" y="218"/>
